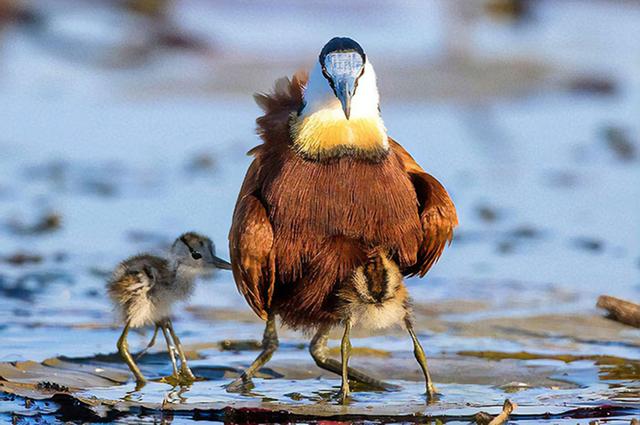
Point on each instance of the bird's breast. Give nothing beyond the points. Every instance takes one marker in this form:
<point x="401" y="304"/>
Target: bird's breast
<point x="372" y="202"/>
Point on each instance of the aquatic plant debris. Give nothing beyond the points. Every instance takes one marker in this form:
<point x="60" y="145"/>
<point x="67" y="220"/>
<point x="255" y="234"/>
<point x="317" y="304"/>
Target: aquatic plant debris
<point x="101" y="387"/>
<point x="45" y="223"/>
<point x="620" y="310"/>
<point x="483" y="418"/>
<point x="83" y="406"/>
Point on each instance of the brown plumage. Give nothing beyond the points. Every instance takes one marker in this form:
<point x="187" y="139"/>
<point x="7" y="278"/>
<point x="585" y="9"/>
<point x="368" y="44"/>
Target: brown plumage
<point x="300" y="226"/>
<point x="333" y="213"/>
<point x="16" y="12"/>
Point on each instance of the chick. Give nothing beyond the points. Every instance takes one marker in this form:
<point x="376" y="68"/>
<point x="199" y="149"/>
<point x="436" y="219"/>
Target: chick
<point x="375" y="298"/>
<point x="144" y="288"/>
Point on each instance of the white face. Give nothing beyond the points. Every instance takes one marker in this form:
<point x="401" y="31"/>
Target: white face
<point x="319" y="96"/>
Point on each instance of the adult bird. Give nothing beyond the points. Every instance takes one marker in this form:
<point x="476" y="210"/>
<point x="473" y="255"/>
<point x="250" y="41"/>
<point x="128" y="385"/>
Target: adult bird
<point x="332" y="213"/>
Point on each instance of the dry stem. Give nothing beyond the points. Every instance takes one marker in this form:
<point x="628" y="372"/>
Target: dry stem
<point x="620" y="310"/>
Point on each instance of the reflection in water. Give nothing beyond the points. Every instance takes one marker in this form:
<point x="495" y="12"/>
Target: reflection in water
<point x="175" y="396"/>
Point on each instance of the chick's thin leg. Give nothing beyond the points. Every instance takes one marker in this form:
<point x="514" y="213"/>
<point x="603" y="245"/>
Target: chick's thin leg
<point x="269" y="346"/>
<point x="418" y="352"/>
<point x="345" y="350"/>
<point x="150" y="344"/>
<point x="171" y="349"/>
<point x="123" y="349"/>
<point x="184" y="368"/>
<point x="320" y="353"/>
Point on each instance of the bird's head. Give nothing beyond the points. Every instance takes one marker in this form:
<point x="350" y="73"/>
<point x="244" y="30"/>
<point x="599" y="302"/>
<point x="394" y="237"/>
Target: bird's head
<point x="340" y="110"/>
<point x="342" y="62"/>
<point x="343" y="79"/>
<point x="197" y="252"/>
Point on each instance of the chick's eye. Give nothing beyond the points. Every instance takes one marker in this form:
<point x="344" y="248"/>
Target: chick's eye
<point x="196" y="255"/>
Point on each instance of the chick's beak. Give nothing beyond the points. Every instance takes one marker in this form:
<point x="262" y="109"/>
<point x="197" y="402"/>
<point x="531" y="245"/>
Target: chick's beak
<point x="219" y="263"/>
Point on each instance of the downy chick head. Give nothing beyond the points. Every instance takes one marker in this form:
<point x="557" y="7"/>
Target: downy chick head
<point x="375" y="297"/>
<point x="195" y="251"/>
<point x="378" y="281"/>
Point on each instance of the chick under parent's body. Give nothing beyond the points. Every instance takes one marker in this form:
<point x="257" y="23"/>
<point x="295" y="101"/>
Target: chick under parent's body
<point x="331" y="203"/>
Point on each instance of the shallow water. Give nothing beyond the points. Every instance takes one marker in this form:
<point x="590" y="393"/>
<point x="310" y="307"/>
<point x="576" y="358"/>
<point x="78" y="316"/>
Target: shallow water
<point x="102" y="163"/>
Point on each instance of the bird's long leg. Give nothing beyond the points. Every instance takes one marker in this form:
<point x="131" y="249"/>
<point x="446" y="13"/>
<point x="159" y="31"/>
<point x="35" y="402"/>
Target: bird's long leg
<point x="150" y="344"/>
<point x="418" y="352"/>
<point x="269" y="346"/>
<point x="320" y="353"/>
<point x="345" y="350"/>
<point x="184" y="368"/>
<point x="123" y="349"/>
<point x="170" y="349"/>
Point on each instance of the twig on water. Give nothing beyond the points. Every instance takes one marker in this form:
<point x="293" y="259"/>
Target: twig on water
<point x="483" y="418"/>
<point x="620" y="310"/>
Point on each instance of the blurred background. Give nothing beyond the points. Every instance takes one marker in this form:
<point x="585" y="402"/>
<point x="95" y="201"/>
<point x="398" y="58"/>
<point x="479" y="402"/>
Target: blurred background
<point x="125" y="123"/>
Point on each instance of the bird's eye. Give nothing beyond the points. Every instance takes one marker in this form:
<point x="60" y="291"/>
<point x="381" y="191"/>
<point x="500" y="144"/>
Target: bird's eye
<point x="196" y="255"/>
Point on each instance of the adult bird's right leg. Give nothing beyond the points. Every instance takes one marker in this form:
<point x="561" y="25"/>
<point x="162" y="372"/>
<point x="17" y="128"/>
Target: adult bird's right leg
<point x="269" y="346"/>
<point x="123" y="349"/>
<point x="320" y="353"/>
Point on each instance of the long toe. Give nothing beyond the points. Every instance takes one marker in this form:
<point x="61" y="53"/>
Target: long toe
<point x="376" y="385"/>
<point x="239" y="386"/>
<point x="172" y="380"/>
<point x="140" y="383"/>
<point x="187" y="373"/>
<point x="432" y="394"/>
<point x="389" y="387"/>
<point x="186" y="381"/>
<point x="370" y="382"/>
<point x="141" y="354"/>
<point x="187" y="378"/>
<point x="344" y="396"/>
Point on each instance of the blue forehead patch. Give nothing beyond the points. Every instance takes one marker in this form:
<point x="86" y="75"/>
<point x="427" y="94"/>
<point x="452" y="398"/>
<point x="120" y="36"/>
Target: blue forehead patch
<point x="343" y="63"/>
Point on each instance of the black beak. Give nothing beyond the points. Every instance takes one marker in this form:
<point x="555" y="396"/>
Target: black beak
<point x="219" y="263"/>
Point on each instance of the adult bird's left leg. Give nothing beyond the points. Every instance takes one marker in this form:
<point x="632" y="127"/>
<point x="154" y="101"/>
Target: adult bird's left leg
<point x="418" y="352"/>
<point x="320" y="353"/>
<point x="184" y="368"/>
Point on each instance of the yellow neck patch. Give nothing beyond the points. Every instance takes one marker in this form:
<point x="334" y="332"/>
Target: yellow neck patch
<point x="321" y="135"/>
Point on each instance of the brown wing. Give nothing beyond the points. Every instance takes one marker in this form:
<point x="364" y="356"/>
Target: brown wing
<point x="251" y="237"/>
<point x="250" y="243"/>
<point x="437" y="213"/>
